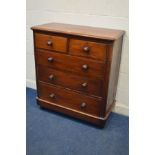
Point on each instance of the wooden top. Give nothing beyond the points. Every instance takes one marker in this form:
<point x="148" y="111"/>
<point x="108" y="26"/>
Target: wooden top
<point x="86" y="31"/>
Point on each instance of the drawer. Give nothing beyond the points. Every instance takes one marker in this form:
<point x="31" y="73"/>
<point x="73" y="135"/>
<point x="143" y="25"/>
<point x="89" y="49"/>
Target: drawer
<point x="68" y="80"/>
<point x="80" y="66"/>
<point x="50" y="42"/>
<point x="69" y="99"/>
<point x="88" y="49"/>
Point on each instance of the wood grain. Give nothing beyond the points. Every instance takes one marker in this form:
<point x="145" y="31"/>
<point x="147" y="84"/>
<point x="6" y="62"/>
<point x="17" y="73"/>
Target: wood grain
<point x="67" y="98"/>
<point x="57" y="43"/>
<point x="71" y="81"/>
<point x="77" y="69"/>
<point x="86" y="31"/>
<point x="71" y="63"/>
<point x="95" y="120"/>
<point x="88" y="49"/>
<point x="114" y="71"/>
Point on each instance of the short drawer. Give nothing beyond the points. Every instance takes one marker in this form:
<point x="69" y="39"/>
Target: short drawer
<point x="71" y="81"/>
<point x="69" y="99"/>
<point x="88" y="49"/>
<point x="50" y="42"/>
<point x="80" y="66"/>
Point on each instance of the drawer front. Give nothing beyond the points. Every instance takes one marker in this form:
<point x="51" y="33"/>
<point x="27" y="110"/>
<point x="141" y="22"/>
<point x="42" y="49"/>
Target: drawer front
<point x="50" y="42"/>
<point x="69" y="99"/>
<point x="81" y="66"/>
<point x="68" y="80"/>
<point x="88" y="49"/>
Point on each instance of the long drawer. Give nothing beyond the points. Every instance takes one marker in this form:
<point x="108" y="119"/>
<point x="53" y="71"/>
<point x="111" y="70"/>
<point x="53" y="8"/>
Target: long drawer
<point x="69" y="80"/>
<point x="80" y="66"/>
<point x="72" y="100"/>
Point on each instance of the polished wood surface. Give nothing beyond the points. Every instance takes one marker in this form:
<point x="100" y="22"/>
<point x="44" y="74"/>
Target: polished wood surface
<point x="88" y="49"/>
<point x="95" y="120"/>
<point x="67" y="98"/>
<point x="78" y="65"/>
<point x="85" y="31"/>
<point x="51" y="42"/>
<point x="114" y="71"/>
<point x="77" y="69"/>
<point x="89" y="86"/>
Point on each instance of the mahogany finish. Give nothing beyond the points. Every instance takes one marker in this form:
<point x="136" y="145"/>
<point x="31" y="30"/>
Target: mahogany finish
<point x="68" y="80"/>
<point x="78" y="65"/>
<point x="88" y="49"/>
<point x="77" y="69"/>
<point x="67" y="98"/>
<point x="83" y="31"/>
<point x="51" y="42"/>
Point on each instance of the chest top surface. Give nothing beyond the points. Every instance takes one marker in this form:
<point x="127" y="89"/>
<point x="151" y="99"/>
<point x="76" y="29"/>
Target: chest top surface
<point x="86" y="31"/>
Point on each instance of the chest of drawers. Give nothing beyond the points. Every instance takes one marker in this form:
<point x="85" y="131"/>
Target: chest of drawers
<point x="77" y="69"/>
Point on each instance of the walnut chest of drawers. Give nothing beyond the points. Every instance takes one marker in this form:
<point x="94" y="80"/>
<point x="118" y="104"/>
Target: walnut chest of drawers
<point x="77" y="69"/>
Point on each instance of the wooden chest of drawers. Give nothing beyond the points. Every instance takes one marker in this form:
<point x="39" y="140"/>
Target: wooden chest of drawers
<point x="77" y="69"/>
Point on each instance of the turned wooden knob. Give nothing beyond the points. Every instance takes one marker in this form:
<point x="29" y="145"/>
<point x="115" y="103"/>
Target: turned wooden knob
<point x="51" y="77"/>
<point x="83" y="105"/>
<point x="52" y="95"/>
<point x="49" y="43"/>
<point x="86" y="49"/>
<point x="50" y="59"/>
<point x="85" y="67"/>
<point x="85" y="84"/>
